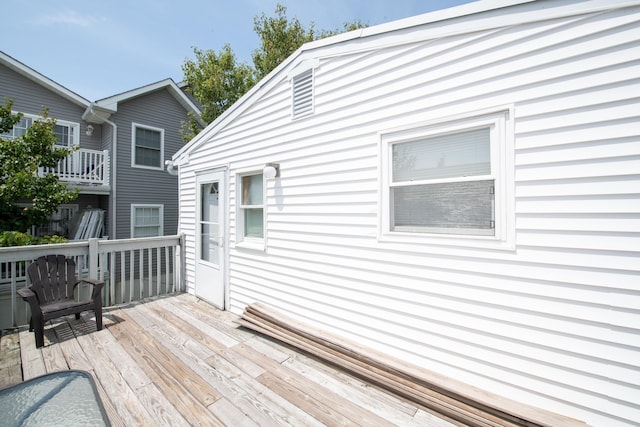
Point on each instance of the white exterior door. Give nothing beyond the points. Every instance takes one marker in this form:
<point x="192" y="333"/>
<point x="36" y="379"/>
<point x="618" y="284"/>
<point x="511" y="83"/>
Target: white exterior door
<point x="211" y="238"/>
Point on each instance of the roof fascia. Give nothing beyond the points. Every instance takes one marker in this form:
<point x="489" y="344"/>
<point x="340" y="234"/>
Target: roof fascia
<point x="42" y="80"/>
<point x="111" y="103"/>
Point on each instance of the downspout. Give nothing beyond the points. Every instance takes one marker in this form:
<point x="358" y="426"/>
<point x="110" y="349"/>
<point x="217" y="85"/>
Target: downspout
<point x="114" y="162"/>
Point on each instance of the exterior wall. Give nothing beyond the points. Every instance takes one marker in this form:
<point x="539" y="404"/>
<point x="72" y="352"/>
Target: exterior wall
<point x="144" y="186"/>
<point x="552" y="321"/>
<point x="106" y="143"/>
<point x="30" y="97"/>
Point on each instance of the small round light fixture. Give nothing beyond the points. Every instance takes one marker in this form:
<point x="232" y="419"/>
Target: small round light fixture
<point x="271" y="170"/>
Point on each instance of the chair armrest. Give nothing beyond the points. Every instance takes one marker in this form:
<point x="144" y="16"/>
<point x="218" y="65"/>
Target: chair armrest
<point x="96" y="294"/>
<point x="94" y="282"/>
<point x="29" y="296"/>
<point x="26" y="293"/>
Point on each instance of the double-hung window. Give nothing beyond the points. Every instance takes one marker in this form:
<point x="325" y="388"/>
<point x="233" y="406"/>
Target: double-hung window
<point x="147" y="147"/>
<point x="18" y="129"/>
<point x="251" y="209"/>
<point x="147" y="220"/>
<point x="66" y="133"/>
<point x="447" y="179"/>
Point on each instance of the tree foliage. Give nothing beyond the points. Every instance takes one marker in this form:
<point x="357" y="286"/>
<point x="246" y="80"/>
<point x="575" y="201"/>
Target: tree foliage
<point x="217" y="80"/>
<point x="20" y="160"/>
<point x="279" y="38"/>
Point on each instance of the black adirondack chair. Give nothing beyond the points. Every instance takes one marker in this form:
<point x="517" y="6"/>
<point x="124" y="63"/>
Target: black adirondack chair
<point x="51" y="294"/>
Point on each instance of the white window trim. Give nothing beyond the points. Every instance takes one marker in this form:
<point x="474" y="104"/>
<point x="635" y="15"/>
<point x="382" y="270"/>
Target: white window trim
<point x="73" y="125"/>
<point x="242" y="242"/>
<point x="502" y="170"/>
<point x="134" y="126"/>
<point x="144" y="205"/>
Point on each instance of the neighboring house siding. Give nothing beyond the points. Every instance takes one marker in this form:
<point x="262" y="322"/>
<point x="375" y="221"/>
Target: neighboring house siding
<point x="31" y="97"/>
<point x="554" y="322"/>
<point x="106" y="143"/>
<point x="145" y="186"/>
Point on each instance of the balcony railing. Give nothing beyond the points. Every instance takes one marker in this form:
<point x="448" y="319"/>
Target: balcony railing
<point x="83" y="167"/>
<point x="131" y="268"/>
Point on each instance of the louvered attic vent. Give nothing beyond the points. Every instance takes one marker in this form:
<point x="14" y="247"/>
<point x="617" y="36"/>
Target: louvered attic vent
<point x="303" y="94"/>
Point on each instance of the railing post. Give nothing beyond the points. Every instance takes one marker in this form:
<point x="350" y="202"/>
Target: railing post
<point x="14" y="293"/>
<point x="183" y="263"/>
<point x="105" y="167"/>
<point x="93" y="258"/>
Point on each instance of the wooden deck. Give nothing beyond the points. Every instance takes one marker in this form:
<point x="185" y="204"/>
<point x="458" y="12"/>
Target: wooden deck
<point x="178" y="361"/>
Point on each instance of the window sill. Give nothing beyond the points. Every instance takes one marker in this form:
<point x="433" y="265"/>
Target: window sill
<point x="151" y="168"/>
<point x="253" y="246"/>
<point x="451" y="240"/>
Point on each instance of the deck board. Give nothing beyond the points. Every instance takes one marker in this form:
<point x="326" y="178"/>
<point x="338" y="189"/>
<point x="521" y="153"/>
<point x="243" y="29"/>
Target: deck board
<point x="30" y="357"/>
<point x="179" y="361"/>
<point x="10" y="373"/>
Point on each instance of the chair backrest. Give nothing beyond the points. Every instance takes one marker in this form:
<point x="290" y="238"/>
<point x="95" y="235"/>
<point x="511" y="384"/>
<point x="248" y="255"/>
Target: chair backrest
<point x="52" y="278"/>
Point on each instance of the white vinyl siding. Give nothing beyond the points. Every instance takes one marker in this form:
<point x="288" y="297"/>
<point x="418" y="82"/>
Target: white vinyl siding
<point x="147" y="220"/>
<point x="147" y="147"/>
<point x="549" y="319"/>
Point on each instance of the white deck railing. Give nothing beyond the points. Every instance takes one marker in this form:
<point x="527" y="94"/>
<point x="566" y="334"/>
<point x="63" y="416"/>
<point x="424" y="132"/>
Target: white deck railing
<point x="84" y="166"/>
<point x="132" y="269"/>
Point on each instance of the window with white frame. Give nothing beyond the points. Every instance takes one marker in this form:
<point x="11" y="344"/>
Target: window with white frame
<point x="251" y="208"/>
<point x="64" y="135"/>
<point x="147" y="147"/>
<point x="18" y="129"/>
<point x="147" y="220"/>
<point x="447" y="179"/>
<point x="66" y="132"/>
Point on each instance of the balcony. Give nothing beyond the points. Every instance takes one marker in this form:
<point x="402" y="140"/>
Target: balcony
<point x="87" y="170"/>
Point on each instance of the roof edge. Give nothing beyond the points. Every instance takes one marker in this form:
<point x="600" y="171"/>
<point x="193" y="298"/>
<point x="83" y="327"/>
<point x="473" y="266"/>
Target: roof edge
<point x="111" y="102"/>
<point x="42" y="80"/>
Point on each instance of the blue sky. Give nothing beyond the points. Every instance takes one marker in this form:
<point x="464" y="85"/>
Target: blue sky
<point x="99" y="49"/>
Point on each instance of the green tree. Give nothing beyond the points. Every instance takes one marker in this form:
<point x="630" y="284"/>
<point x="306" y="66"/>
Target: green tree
<point x="217" y="80"/>
<point x="279" y="38"/>
<point x="20" y="159"/>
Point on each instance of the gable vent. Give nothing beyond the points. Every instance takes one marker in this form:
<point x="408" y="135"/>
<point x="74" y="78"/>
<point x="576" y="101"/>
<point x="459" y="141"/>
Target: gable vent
<point x="303" y="94"/>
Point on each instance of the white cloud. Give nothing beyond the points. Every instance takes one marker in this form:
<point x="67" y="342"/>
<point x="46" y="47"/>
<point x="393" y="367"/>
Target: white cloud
<point x="68" y="17"/>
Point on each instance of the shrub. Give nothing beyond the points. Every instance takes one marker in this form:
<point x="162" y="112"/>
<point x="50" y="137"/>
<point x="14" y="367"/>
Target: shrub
<point x="16" y="238"/>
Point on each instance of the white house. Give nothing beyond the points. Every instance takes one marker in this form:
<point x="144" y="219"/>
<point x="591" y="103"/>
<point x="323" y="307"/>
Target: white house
<point x="459" y="189"/>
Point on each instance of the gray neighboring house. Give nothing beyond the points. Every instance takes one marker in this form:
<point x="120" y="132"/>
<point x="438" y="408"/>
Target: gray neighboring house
<point x="124" y="141"/>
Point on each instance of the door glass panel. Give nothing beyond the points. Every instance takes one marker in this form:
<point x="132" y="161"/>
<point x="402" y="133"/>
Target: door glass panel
<point x="209" y="223"/>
